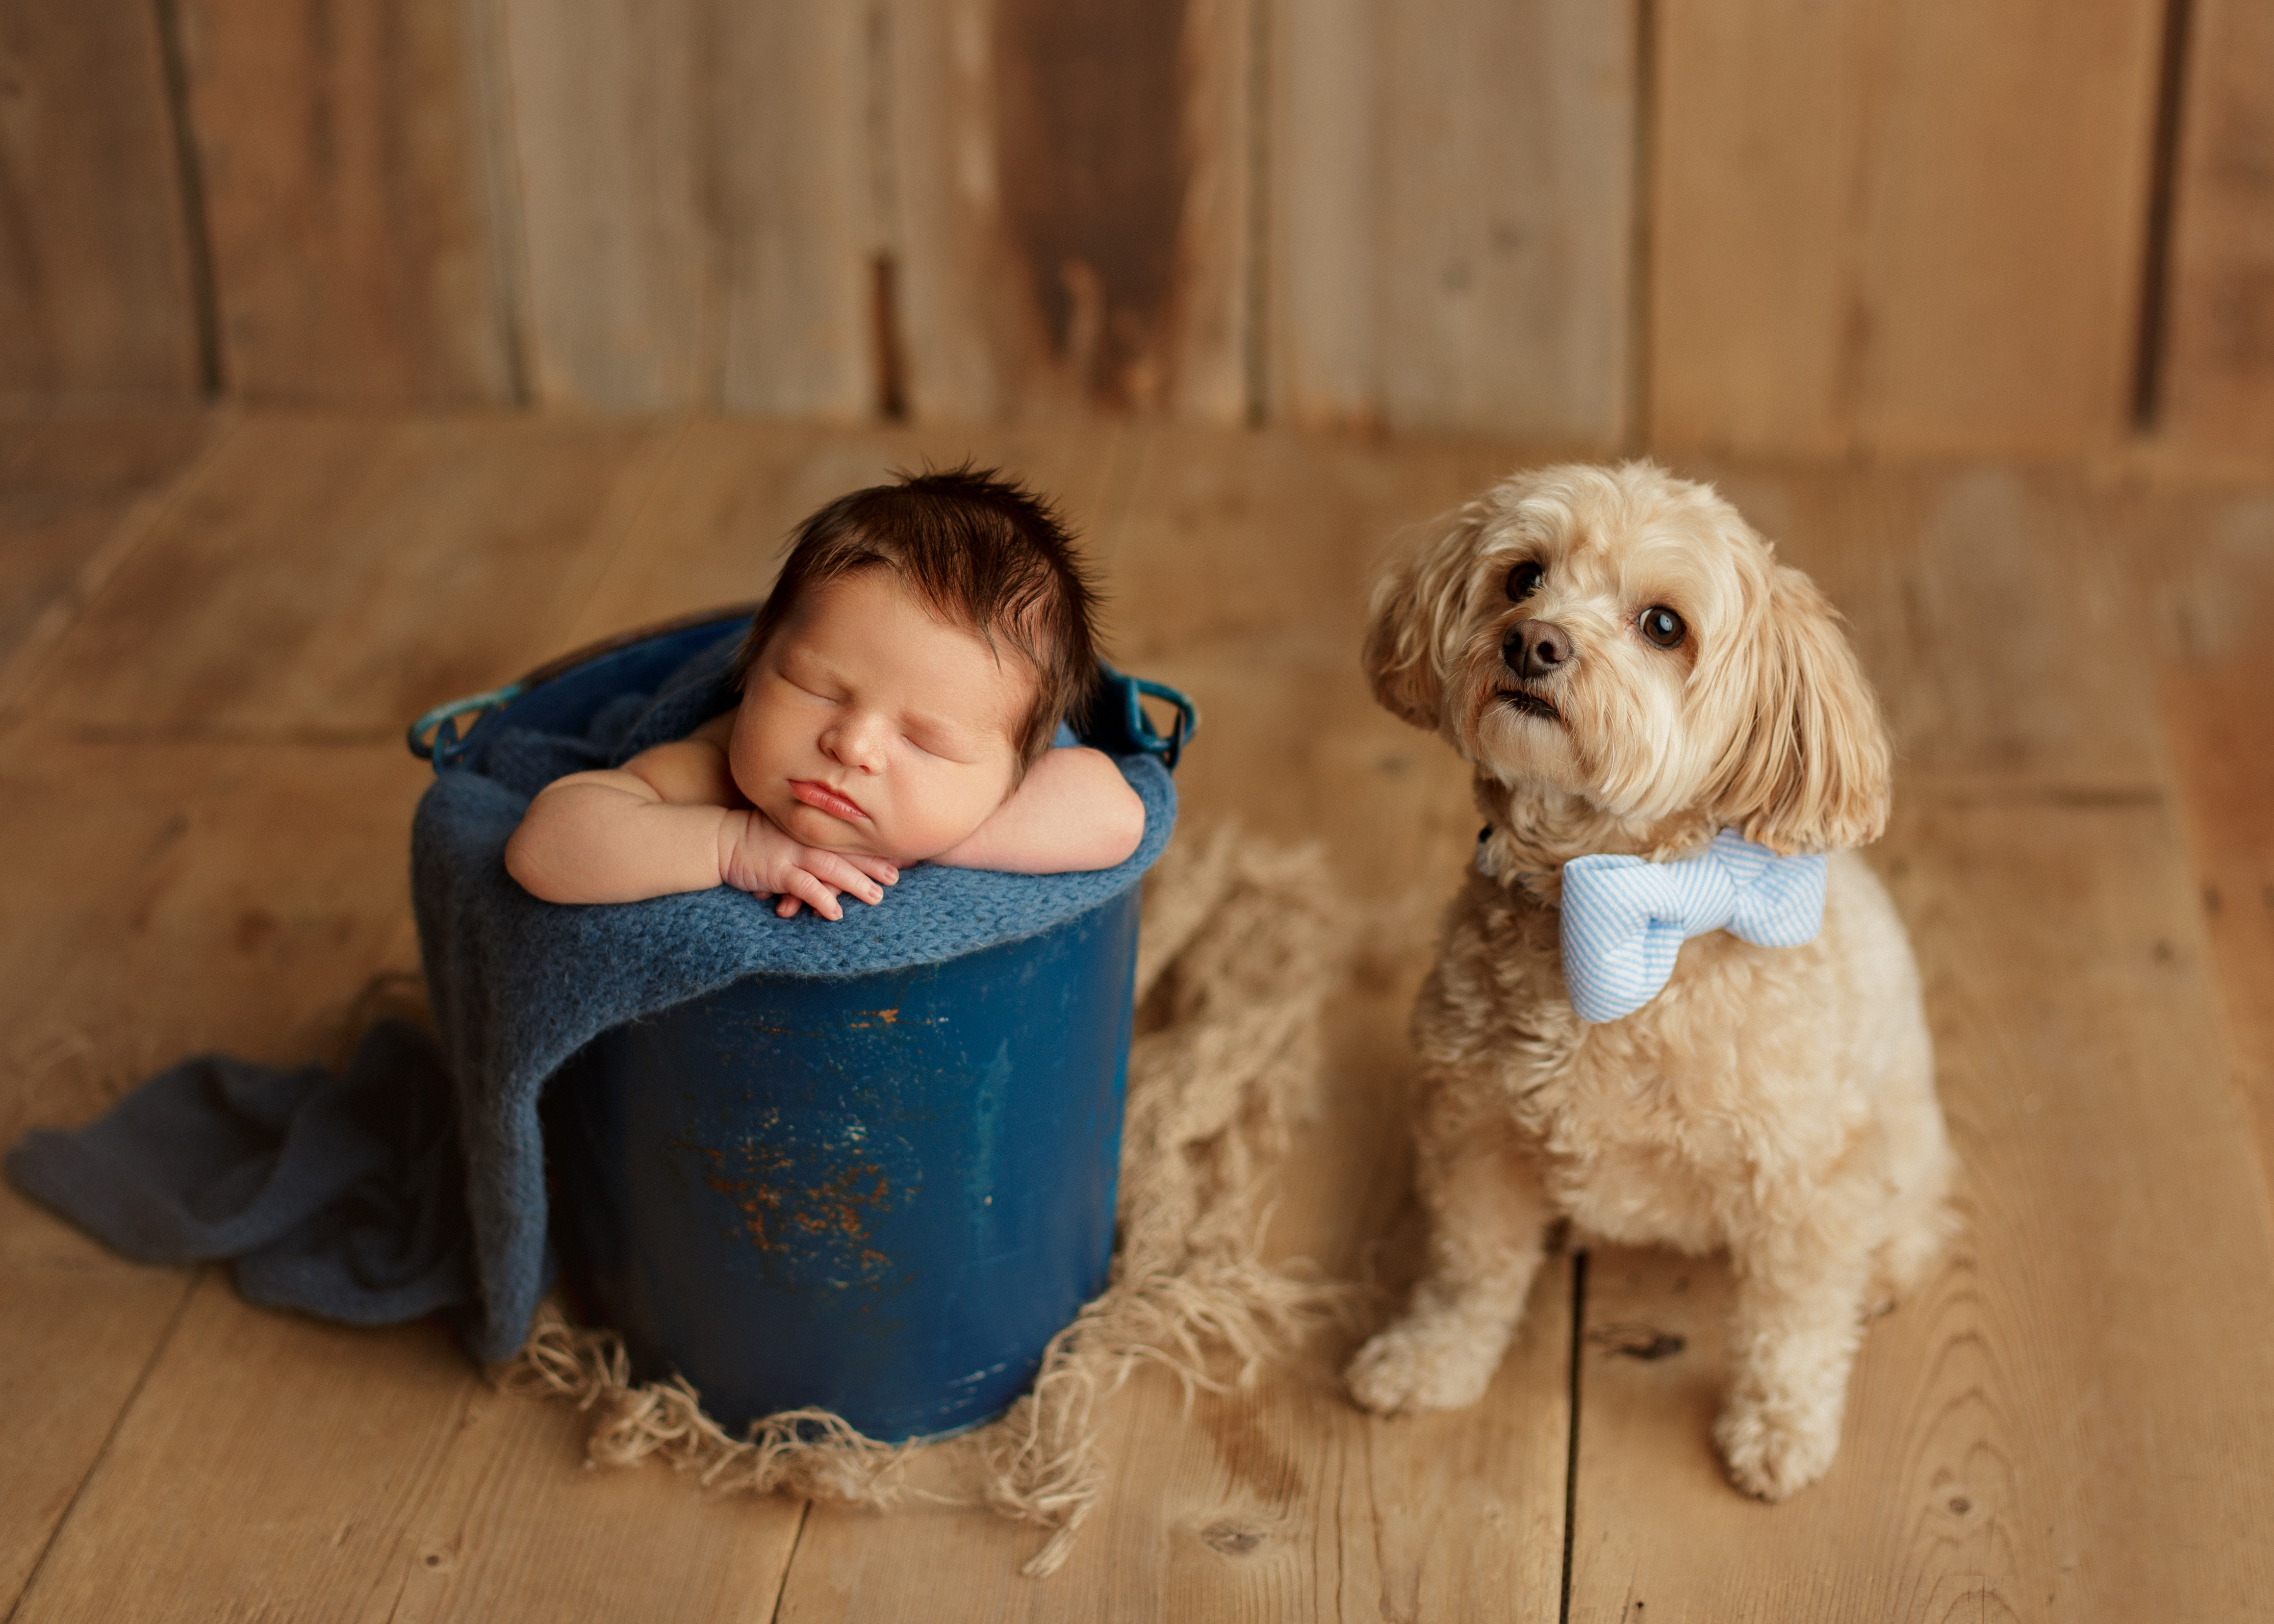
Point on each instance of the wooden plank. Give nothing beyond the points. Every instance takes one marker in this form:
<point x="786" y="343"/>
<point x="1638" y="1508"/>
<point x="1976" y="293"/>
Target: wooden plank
<point x="1756" y="331"/>
<point x="1451" y="190"/>
<point x="370" y="1473"/>
<point x="606" y="129"/>
<point x="1322" y="305"/>
<point x="713" y="531"/>
<point x="1948" y="264"/>
<point x="1963" y="591"/>
<point x="331" y="579"/>
<point x="353" y="251"/>
<point x="2064" y="1424"/>
<point x="19" y="425"/>
<point x="795" y="102"/>
<point x="1280" y="1503"/>
<point x="96" y="279"/>
<point x="2216" y="391"/>
<point x="1070" y="186"/>
<point x="161" y="902"/>
<point x="2211" y="554"/>
<point x="63" y="495"/>
<point x="2222" y="747"/>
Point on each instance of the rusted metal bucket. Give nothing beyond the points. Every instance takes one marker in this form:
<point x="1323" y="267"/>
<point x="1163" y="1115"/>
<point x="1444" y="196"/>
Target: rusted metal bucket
<point x="879" y="1194"/>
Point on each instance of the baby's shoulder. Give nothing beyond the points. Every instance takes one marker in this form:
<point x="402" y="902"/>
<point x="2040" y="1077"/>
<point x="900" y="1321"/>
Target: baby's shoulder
<point x="692" y="769"/>
<point x="714" y="732"/>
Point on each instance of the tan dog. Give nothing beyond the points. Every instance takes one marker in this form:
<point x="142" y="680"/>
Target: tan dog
<point x="1626" y="668"/>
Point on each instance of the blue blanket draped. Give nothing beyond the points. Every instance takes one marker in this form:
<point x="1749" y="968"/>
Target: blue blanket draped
<point x="349" y="1197"/>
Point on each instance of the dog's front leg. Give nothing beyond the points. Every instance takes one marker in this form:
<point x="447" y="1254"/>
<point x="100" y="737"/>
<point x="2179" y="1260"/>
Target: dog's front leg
<point x="1481" y="1188"/>
<point x="1799" y="1321"/>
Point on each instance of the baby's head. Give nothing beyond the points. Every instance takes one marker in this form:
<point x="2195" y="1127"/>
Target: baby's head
<point x="924" y="642"/>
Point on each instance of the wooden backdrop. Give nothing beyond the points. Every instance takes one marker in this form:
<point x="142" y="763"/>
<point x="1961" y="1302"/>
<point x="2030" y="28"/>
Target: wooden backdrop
<point x="1820" y="228"/>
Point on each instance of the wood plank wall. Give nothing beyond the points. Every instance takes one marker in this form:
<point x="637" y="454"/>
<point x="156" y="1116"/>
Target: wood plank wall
<point x="1814" y="228"/>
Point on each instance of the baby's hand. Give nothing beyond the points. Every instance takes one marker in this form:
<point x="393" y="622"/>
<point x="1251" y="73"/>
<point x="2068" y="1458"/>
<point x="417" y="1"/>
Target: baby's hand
<point x="756" y="856"/>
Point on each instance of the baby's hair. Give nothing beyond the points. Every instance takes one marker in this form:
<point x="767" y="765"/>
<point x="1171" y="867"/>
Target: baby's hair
<point x="981" y="550"/>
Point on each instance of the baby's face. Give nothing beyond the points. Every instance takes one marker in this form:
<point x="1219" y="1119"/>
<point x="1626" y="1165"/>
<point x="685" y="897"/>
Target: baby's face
<point x="868" y="725"/>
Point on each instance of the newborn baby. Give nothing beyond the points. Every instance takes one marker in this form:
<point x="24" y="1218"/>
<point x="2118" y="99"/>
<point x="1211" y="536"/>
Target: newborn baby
<point x="900" y="690"/>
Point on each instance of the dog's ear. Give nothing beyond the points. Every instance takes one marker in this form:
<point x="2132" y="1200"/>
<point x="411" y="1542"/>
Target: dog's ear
<point x="1810" y="770"/>
<point x="1414" y="621"/>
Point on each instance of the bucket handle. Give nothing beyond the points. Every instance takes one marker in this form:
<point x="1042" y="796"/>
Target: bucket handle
<point x="1140" y="726"/>
<point x="444" y="750"/>
<point x="441" y="735"/>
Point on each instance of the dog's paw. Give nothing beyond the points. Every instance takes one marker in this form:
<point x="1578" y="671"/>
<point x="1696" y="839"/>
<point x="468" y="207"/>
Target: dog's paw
<point x="1774" y="1450"/>
<point x="1425" y="1362"/>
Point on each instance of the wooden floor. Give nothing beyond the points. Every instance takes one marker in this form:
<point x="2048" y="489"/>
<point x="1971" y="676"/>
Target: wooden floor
<point x="212" y="630"/>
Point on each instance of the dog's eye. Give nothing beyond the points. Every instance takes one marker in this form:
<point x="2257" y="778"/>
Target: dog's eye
<point x="1524" y="580"/>
<point x="1662" y="627"/>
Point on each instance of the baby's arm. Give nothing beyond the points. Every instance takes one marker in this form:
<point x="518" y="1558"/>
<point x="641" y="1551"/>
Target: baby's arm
<point x="1074" y="810"/>
<point x="662" y="823"/>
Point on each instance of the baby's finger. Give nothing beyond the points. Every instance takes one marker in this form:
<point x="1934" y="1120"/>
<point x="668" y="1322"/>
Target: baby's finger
<point x="882" y="870"/>
<point x="817" y="894"/>
<point x="785" y="907"/>
<point x="837" y="870"/>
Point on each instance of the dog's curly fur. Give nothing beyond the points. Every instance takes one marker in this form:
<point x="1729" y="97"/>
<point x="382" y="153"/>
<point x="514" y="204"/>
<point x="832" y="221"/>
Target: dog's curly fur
<point x="1776" y="1101"/>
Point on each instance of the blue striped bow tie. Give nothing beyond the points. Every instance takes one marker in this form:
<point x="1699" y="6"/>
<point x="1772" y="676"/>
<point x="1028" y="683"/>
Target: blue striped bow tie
<point x="1624" y="919"/>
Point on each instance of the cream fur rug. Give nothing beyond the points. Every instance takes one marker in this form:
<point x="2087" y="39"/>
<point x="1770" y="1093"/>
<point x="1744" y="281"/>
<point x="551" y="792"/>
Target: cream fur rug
<point x="1240" y="948"/>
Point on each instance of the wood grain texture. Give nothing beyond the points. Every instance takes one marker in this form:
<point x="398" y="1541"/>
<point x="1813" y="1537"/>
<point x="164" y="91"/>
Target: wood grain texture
<point x="714" y="526"/>
<point x="353" y="248"/>
<point x="1323" y="350"/>
<point x="1071" y="206"/>
<point x="1946" y="261"/>
<point x="19" y="425"/>
<point x="2222" y="747"/>
<point x="1451" y="190"/>
<point x="2211" y="558"/>
<point x="162" y="901"/>
<point x="2216" y="391"/>
<point x="96" y="295"/>
<point x="605" y="102"/>
<point x="794" y="112"/>
<point x="331" y="579"/>
<point x="1283" y="1503"/>
<point x="65" y="492"/>
<point x="1972" y="597"/>
<point x="363" y="1473"/>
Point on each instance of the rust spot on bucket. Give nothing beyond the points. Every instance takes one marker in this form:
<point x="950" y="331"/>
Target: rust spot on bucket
<point x="788" y="1203"/>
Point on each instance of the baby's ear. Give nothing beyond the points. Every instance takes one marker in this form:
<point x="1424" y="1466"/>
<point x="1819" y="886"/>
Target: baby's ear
<point x="1414" y="621"/>
<point x="1811" y="771"/>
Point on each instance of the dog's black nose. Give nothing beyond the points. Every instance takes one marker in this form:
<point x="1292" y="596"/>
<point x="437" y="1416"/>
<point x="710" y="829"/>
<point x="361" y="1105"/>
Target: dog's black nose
<point x="1536" y="648"/>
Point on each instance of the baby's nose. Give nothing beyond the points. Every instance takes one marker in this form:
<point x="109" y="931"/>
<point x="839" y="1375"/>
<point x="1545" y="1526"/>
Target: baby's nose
<point x="857" y="740"/>
<point x="1536" y="648"/>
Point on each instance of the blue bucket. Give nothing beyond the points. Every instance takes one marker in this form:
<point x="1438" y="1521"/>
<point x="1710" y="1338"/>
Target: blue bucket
<point x="879" y="1194"/>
